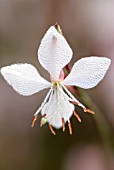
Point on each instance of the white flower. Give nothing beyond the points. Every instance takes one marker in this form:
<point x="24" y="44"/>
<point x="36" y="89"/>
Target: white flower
<point x="53" y="54"/>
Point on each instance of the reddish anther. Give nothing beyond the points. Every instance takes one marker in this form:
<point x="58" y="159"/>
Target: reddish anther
<point x="77" y="116"/>
<point x="89" y="111"/>
<point x="63" y="124"/>
<point x="52" y="130"/>
<point x="33" y="120"/>
<point x="70" y="128"/>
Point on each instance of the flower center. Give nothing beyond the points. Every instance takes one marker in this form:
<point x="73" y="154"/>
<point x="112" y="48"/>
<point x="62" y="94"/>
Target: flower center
<point x="56" y="84"/>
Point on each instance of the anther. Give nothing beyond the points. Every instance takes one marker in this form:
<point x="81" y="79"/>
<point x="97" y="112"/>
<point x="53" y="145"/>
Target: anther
<point x="33" y="120"/>
<point x="63" y="124"/>
<point x="89" y="111"/>
<point x="77" y="116"/>
<point x="52" y="130"/>
<point x="70" y="128"/>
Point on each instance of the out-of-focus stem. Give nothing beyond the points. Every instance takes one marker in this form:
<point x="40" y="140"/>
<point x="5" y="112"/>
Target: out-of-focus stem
<point x="102" y="124"/>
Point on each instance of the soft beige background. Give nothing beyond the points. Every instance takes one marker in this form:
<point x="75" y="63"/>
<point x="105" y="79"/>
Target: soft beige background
<point x="88" y="25"/>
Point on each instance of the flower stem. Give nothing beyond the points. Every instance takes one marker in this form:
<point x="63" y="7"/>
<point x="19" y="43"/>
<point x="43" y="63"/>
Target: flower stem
<point x="102" y="124"/>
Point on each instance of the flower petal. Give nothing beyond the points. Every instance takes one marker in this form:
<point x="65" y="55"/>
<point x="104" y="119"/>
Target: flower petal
<point x="54" y="52"/>
<point x="24" y="78"/>
<point x="56" y="108"/>
<point x="88" y="72"/>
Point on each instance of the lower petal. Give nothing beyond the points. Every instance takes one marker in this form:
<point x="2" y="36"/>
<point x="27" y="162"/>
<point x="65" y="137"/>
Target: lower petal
<point x="56" y="109"/>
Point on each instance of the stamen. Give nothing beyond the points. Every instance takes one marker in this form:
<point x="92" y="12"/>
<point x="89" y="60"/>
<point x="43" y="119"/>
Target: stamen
<point x="76" y="103"/>
<point x="79" y="104"/>
<point x="73" y="98"/>
<point x="63" y="124"/>
<point x="49" y="94"/>
<point x="89" y="111"/>
<point x="52" y="130"/>
<point x="33" y="120"/>
<point x="77" y="116"/>
<point x="64" y="94"/>
<point x="70" y="128"/>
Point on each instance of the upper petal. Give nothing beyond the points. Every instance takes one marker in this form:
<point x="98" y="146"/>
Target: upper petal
<point x="88" y="72"/>
<point x="54" y="52"/>
<point x="24" y="78"/>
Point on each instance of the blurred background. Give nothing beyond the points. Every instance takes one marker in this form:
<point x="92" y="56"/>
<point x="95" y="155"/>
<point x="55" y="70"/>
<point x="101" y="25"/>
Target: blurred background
<point x="88" y="26"/>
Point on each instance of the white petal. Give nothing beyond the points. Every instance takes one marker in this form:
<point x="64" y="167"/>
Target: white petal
<point x="88" y="72"/>
<point x="56" y="108"/>
<point x="24" y="78"/>
<point x="54" y="52"/>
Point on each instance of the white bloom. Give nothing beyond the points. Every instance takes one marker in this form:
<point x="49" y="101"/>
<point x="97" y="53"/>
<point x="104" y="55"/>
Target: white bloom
<point x="53" y="54"/>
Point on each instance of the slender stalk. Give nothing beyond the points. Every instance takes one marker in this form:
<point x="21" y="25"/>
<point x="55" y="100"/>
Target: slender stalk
<point x="102" y="124"/>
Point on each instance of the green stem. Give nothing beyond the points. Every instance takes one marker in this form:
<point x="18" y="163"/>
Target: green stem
<point x="102" y="124"/>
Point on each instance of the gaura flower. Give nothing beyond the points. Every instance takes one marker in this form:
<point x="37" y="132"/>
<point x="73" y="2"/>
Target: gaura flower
<point x="54" y="54"/>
